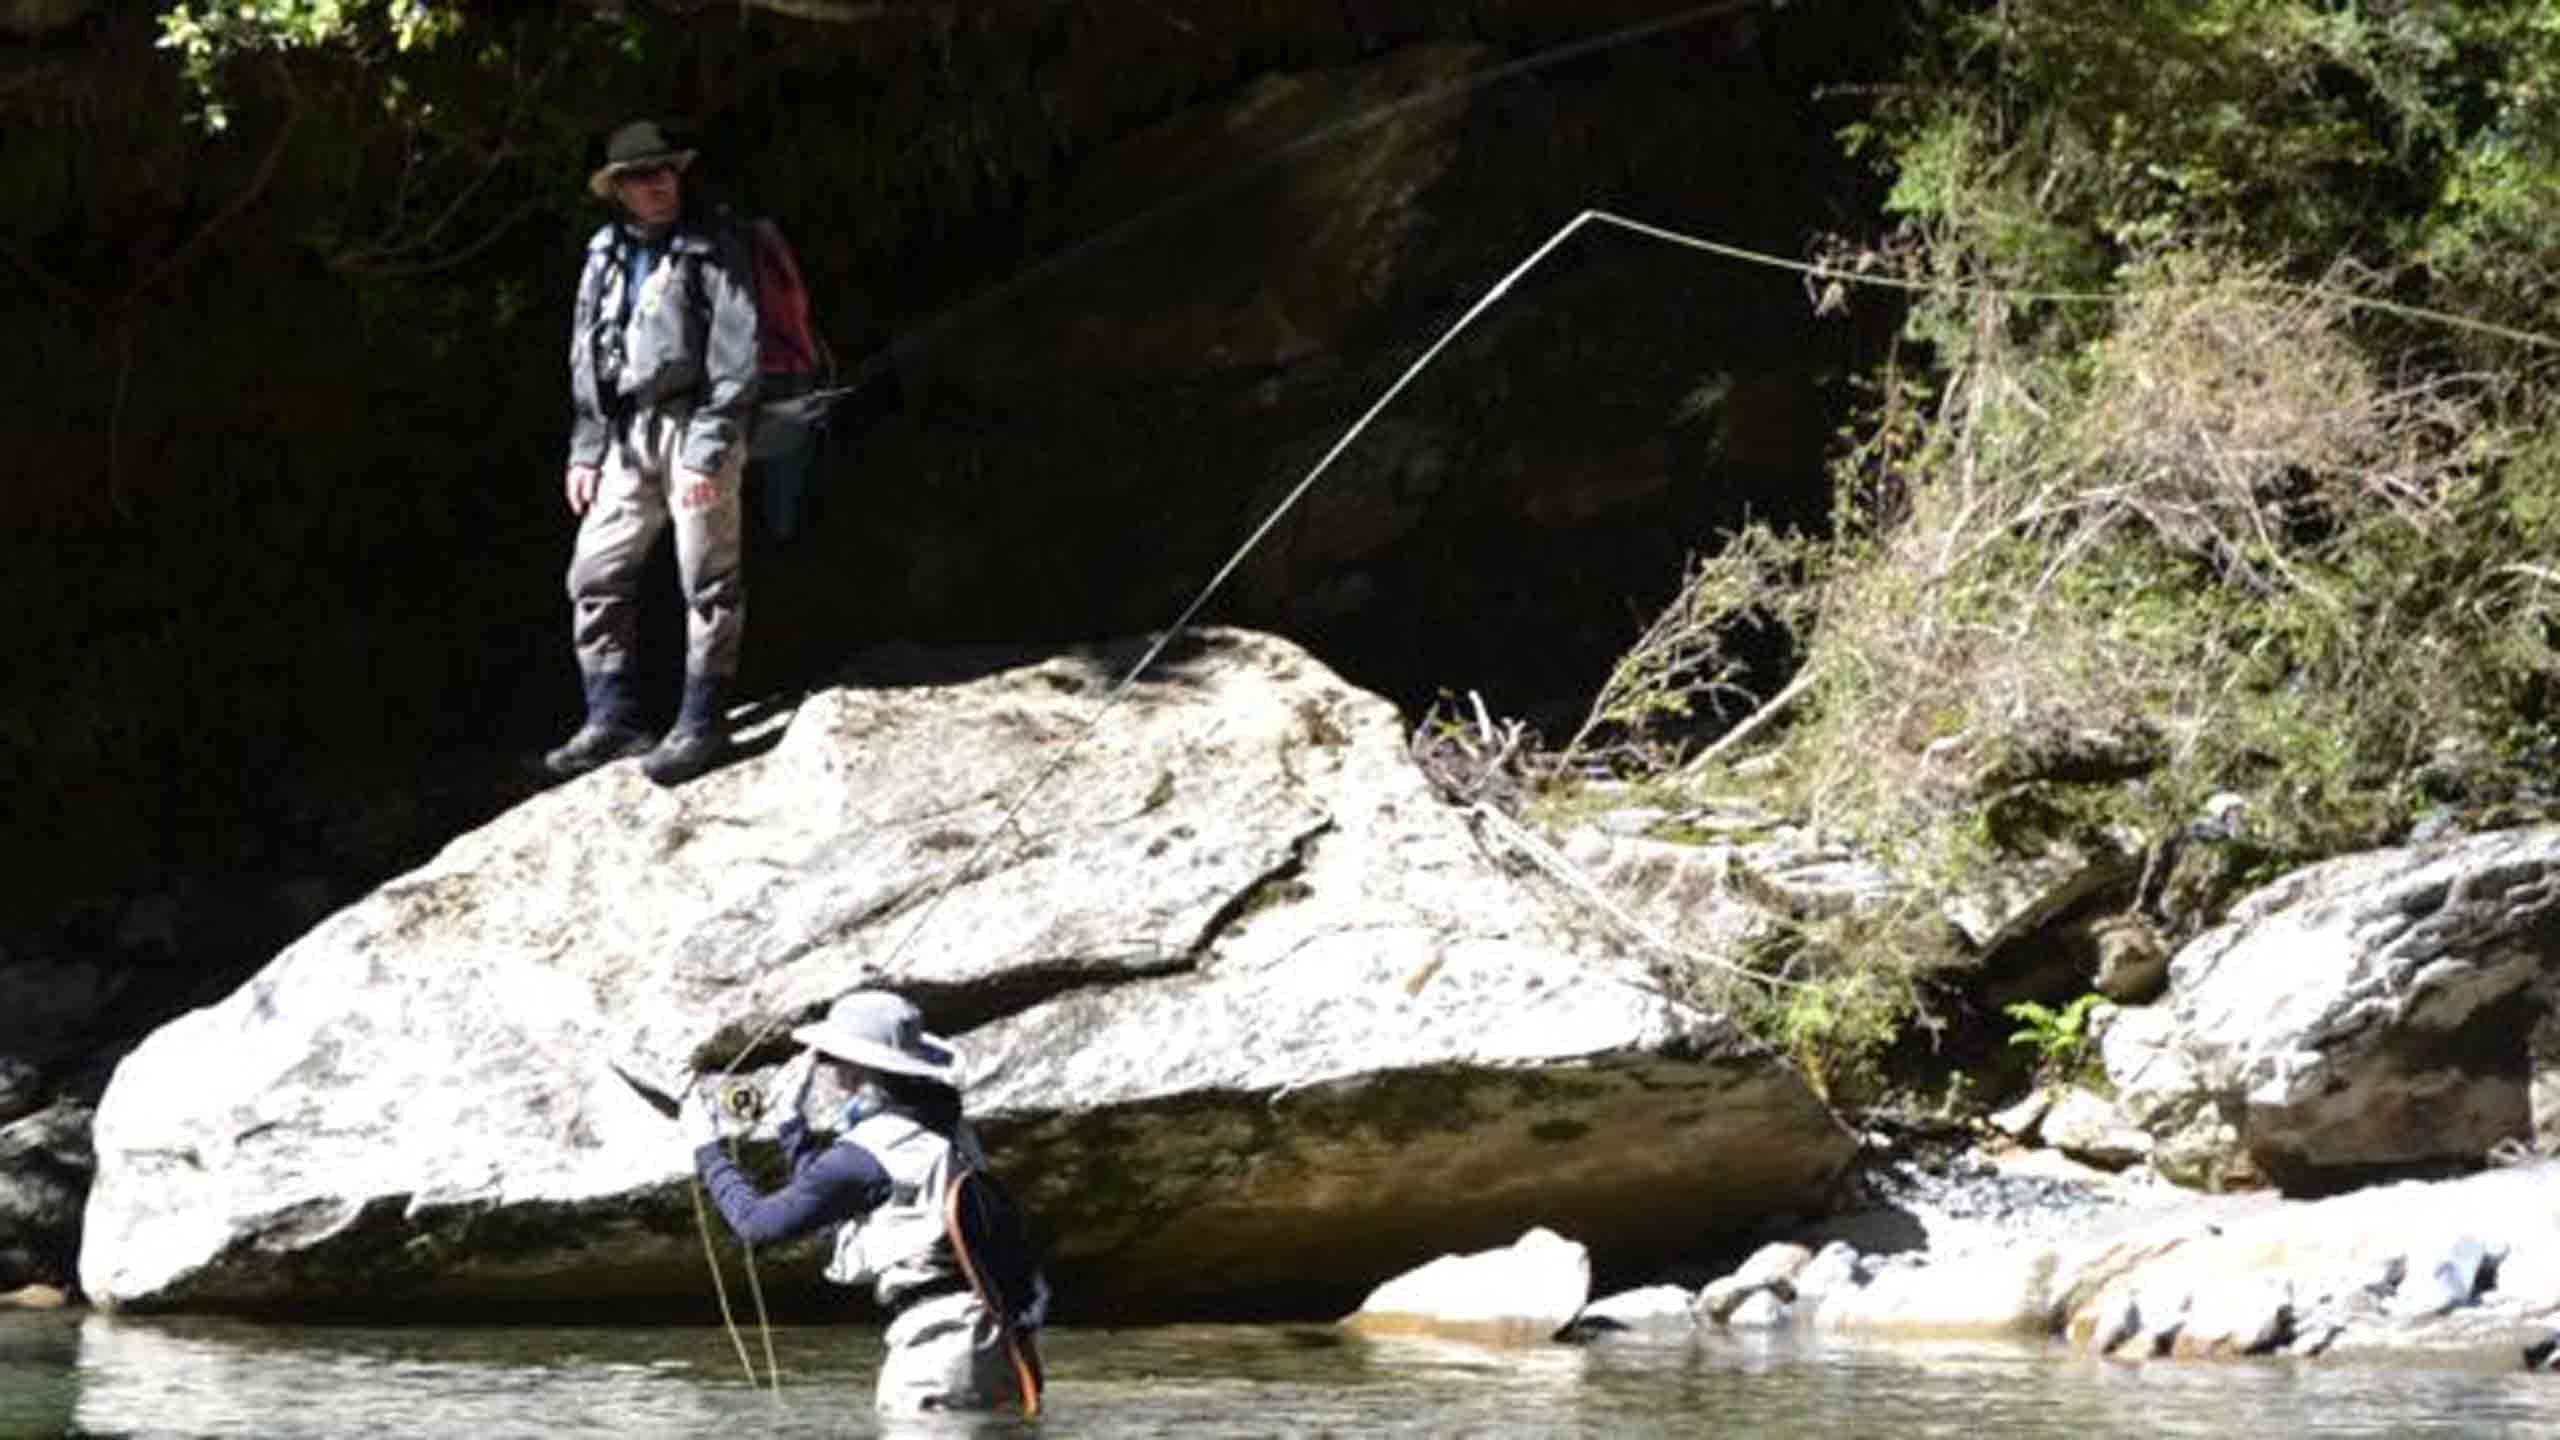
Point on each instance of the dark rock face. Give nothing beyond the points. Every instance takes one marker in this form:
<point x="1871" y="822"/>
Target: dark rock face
<point x="1181" y="264"/>
<point x="45" y="1168"/>
<point x="30" y="18"/>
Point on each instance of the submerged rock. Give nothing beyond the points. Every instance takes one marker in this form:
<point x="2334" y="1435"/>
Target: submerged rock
<point x="1528" y="1291"/>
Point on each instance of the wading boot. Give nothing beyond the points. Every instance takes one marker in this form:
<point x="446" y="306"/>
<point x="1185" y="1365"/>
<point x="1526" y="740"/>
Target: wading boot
<point x="700" y="738"/>
<point x="611" y="732"/>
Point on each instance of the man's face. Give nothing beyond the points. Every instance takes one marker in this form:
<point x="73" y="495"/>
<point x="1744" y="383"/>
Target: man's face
<point x="651" y="193"/>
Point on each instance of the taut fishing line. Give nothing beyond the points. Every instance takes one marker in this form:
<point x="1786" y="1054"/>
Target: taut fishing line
<point x="922" y="337"/>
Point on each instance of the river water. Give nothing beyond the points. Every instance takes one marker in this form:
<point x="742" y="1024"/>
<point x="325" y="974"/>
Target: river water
<point x="94" y="1376"/>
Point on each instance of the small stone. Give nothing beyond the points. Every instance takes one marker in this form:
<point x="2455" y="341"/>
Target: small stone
<point x="1762" y="1311"/>
<point x="2019" y="1121"/>
<point x="1774" y="1263"/>
<point x="2133" y="966"/>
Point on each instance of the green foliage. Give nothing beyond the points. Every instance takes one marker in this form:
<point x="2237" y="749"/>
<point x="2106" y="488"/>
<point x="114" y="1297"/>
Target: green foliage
<point x="2042" y="141"/>
<point x="2060" y="1038"/>
<point x="1836" y="1030"/>
<point x="210" y="35"/>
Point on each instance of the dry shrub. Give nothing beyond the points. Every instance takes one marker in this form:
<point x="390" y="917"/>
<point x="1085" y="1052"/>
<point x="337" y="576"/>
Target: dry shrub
<point x="1753" y="582"/>
<point x="2220" y="548"/>
<point x="2211" y="545"/>
<point x="2238" y="420"/>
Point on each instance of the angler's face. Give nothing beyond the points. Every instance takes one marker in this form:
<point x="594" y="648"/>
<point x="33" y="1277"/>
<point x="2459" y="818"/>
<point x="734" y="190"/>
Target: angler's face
<point x="652" y="194"/>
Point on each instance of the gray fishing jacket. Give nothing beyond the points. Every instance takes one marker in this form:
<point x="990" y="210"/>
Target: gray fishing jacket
<point x="900" y="1245"/>
<point x="690" y="346"/>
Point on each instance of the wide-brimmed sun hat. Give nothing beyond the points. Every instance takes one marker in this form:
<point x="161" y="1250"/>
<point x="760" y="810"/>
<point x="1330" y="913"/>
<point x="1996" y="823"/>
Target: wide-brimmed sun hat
<point x="635" y="146"/>
<point x="880" y="1031"/>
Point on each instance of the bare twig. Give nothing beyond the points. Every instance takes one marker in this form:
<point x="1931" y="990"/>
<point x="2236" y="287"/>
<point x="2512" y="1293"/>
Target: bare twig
<point x="1752" y="723"/>
<point x="462" y="256"/>
<point x="1543" y="855"/>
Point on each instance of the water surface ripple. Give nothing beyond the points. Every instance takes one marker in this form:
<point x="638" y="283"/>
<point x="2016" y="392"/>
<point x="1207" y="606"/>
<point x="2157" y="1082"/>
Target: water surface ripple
<point x="97" y="1376"/>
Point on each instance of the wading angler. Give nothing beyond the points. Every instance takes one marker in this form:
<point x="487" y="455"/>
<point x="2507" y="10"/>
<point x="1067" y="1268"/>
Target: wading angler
<point x="905" y="1189"/>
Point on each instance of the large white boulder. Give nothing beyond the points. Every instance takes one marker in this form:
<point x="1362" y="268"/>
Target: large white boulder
<point x="1251" y="1015"/>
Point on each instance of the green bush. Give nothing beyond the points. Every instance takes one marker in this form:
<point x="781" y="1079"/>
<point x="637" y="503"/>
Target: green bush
<point x="2216" y="462"/>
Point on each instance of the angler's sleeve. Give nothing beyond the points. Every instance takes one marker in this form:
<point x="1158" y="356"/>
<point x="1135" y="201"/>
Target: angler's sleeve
<point x="720" y="424"/>
<point x="587" y="430"/>
<point x="828" y="1187"/>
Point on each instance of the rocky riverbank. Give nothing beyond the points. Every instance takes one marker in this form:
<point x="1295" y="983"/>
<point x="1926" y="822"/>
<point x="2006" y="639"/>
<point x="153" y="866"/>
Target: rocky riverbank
<point x="2462" y="1272"/>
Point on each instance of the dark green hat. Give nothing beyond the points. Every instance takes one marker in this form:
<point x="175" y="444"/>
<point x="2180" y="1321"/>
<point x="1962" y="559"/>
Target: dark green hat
<point x="635" y="146"/>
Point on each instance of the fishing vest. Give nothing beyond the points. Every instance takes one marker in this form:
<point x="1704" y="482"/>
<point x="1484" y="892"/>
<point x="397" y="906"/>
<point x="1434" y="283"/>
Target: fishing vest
<point x="650" y="332"/>
<point x="900" y="1246"/>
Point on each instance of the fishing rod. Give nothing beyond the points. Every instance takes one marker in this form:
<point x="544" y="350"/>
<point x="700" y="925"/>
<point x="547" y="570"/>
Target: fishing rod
<point x="880" y="364"/>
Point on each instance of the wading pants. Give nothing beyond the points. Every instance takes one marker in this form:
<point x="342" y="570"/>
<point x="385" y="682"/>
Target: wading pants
<point x="638" y="495"/>
<point x="944" y="1354"/>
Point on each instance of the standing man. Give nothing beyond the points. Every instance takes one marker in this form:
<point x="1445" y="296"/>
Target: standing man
<point x="662" y="383"/>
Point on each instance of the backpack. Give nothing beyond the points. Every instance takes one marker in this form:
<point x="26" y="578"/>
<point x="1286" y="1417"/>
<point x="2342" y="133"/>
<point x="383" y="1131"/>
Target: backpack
<point x="797" y="388"/>
<point x="788" y="344"/>
<point x="987" y="1238"/>
<point x="795" y="379"/>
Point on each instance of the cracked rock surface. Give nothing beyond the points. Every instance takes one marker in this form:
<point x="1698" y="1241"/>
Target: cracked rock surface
<point x="2388" y="1009"/>
<point x="1254" y="1020"/>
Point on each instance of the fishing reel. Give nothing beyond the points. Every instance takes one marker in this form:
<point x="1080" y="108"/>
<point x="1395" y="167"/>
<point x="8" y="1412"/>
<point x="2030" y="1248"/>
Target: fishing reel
<point x="740" y="1100"/>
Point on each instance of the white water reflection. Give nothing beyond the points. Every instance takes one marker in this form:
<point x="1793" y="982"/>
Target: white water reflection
<point x="140" y="1378"/>
<point x="101" y="1376"/>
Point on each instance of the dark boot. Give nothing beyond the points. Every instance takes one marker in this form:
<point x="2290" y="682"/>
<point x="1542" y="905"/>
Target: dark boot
<point x="612" y="730"/>
<point x="700" y="738"/>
